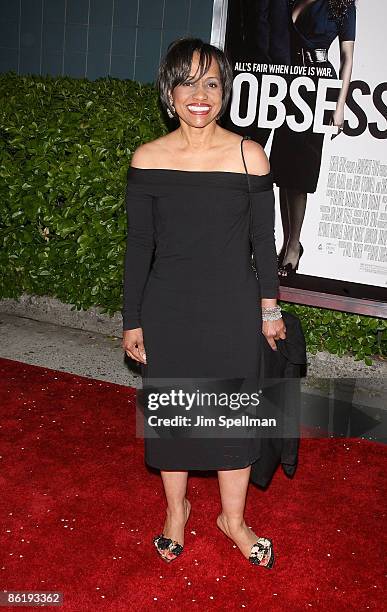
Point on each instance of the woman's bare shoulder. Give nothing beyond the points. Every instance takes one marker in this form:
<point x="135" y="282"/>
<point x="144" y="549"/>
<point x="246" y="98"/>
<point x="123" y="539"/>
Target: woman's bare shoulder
<point x="147" y="154"/>
<point x="254" y="154"/>
<point x="255" y="158"/>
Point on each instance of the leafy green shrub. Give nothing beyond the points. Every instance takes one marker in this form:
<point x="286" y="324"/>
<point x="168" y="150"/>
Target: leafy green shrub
<point x="341" y="333"/>
<point x="65" y="148"/>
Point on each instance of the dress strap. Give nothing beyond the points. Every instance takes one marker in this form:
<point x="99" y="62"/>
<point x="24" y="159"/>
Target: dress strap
<point x="245" y="137"/>
<point x="253" y="264"/>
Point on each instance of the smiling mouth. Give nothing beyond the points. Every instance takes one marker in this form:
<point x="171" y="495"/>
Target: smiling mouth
<point x="199" y="109"/>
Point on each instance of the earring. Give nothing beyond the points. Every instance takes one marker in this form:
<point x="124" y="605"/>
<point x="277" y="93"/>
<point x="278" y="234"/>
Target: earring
<point x="171" y="115"/>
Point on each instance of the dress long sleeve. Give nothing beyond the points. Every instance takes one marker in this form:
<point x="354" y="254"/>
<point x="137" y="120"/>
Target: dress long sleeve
<point x="347" y="27"/>
<point x="263" y="236"/>
<point x="139" y="249"/>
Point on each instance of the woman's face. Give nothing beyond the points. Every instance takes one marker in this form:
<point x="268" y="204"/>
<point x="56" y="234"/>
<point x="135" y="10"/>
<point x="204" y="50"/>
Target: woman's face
<point x="199" y="103"/>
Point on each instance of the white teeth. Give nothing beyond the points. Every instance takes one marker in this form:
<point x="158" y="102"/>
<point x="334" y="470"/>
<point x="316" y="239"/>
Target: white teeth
<point x="199" y="108"/>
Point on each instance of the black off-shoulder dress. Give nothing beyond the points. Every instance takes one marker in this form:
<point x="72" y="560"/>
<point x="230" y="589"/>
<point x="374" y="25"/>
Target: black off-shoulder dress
<point x="188" y="282"/>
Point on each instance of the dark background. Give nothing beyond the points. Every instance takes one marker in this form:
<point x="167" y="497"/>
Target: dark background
<point x="95" y="38"/>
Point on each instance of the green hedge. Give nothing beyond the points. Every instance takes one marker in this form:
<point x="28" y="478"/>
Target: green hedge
<point x="64" y="152"/>
<point x="65" y="149"/>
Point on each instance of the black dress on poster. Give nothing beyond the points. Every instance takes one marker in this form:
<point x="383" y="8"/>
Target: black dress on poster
<point x="257" y="31"/>
<point x="295" y="157"/>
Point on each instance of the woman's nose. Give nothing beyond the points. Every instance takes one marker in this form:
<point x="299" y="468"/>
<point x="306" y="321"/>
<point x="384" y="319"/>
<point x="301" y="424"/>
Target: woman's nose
<point x="200" y="92"/>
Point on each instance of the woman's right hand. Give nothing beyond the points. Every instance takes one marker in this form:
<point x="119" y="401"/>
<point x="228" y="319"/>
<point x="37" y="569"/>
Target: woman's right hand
<point x="133" y="344"/>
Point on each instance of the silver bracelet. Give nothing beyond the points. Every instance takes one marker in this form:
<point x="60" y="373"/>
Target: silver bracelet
<point x="271" y="314"/>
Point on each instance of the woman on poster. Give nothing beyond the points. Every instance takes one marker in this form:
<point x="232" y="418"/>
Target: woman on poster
<point x="295" y="157"/>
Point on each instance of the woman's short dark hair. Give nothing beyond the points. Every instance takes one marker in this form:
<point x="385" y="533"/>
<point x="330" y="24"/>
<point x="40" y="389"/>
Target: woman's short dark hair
<point x="176" y="65"/>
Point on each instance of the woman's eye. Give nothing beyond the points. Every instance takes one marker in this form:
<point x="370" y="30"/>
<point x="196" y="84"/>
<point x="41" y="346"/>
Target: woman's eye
<point x="213" y="84"/>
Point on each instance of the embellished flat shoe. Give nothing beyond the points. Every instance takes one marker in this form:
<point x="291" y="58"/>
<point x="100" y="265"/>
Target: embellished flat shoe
<point x="262" y="553"/>
<point x="287" y="271"/>
<point x="168" y="549"/>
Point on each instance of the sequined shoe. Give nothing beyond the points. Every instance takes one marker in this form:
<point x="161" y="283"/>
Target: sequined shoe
<point x="168" y="549"/>
<point x="262" y="553"/>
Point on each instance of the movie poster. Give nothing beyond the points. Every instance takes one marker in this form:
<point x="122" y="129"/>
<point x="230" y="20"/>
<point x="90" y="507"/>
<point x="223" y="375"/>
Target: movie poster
<point x="310" y="86"/>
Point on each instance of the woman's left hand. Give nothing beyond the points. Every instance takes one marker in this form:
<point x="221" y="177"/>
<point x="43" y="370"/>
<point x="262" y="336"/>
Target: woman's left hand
<point x="338" y="117"/>
<point x="274" y="330"/>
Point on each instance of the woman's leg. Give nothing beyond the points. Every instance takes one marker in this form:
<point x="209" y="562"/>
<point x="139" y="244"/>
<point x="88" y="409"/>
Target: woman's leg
<point x="296" y="203"/>
<point x="284" y="209"/>
<point x="178" y="506"/>
<point x="233" y="488"/>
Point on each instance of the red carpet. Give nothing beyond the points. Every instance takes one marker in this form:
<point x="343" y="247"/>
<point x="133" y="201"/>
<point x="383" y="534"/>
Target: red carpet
<point x="79" y="508"/>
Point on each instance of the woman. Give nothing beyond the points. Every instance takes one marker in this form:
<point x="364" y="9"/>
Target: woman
<point x="196" y="310"/>
<point x="296" y="156"/>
